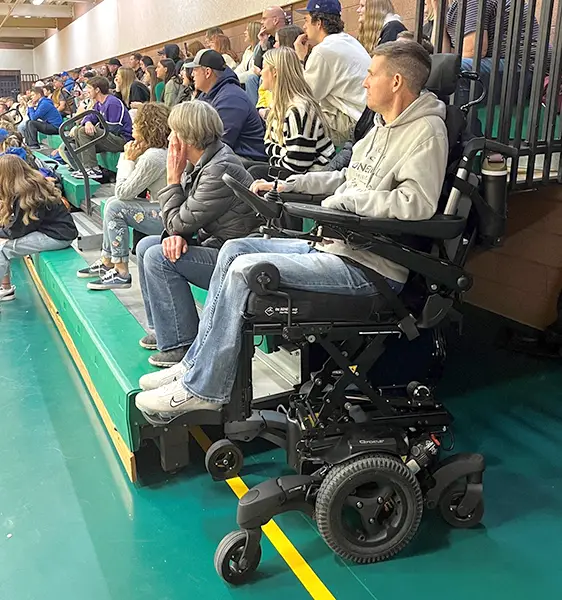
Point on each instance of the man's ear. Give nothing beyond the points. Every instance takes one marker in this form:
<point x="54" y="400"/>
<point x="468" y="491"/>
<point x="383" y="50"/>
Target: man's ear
<point x="397" y="82"/>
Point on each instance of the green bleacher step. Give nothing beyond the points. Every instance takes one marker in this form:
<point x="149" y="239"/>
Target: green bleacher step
<point x="106" y="336"/>
<point x="108" y="160"/>
<point x="74" y="189"/>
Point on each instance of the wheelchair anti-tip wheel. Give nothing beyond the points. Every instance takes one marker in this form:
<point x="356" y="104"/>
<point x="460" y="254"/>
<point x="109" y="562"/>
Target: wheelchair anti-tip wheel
<point x="369" y="508"/>
<point x="448" y="508"/>
<point x="223" y="460"/>
<point x="229" y="561"/>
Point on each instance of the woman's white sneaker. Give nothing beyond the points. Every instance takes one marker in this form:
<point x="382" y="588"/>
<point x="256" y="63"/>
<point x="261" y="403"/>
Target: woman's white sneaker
<point x="7" y="294"/>
<point x="152" y="381"/>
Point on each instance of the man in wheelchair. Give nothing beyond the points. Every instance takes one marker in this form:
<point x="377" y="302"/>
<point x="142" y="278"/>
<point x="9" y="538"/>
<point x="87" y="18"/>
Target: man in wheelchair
<point x="396" y="172"/>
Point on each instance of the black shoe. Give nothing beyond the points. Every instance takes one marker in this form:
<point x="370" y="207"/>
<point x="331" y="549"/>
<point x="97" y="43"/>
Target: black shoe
<point x="168" y="358"/>
<point x="149" y="342"/>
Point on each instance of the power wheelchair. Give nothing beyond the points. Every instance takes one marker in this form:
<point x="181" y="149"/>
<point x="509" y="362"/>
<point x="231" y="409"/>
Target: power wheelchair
<point x="365" y="450"/>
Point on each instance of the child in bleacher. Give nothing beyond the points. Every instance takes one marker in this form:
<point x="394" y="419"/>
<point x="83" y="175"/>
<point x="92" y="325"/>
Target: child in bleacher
<point x="33" y="217"/>
<point x="141" y="167"/>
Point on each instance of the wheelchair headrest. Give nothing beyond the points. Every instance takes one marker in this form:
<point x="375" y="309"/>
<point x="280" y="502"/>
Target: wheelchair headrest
<point x="445" y="72"/>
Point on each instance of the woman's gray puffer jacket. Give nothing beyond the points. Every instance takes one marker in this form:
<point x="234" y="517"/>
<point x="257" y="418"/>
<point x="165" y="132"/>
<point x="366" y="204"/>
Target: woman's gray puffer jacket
<point x="204" y="205"/>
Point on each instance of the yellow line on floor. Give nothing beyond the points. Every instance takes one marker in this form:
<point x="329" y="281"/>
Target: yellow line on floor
<point x="302" y="570"/>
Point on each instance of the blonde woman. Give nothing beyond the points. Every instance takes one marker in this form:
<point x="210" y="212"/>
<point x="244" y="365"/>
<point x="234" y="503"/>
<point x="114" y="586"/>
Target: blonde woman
<point x="129" y="89"/>
<point x="246" y="66"/>
<point x="296" y="137"/>
<point x="221" y="43"/>
<point x="141" y="167"/>
<point x="378" y="23"/>
<point x="33" y="217"/>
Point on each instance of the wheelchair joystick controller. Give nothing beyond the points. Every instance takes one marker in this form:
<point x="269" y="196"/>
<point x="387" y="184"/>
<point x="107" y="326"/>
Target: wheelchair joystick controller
<point x="274" y="197"/>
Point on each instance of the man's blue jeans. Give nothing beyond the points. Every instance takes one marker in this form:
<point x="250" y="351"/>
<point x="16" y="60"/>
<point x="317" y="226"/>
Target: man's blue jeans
<point x="252" y="87"/>
<point x="213" y="356"/>
<point x="168" y="301"/>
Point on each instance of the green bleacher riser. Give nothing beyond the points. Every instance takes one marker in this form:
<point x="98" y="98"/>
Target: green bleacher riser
<point x="74" y="189"/>
<point x="106" y="336"/>
<point x="108" y="160"/>
<point x="482" y="115"/>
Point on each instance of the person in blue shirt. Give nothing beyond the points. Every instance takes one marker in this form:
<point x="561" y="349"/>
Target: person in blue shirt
<point x="43" y="117"/>
<point x="69" y="81"/>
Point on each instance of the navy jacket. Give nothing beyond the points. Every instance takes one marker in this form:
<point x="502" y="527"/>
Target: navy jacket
<point x="243" y="128"/>
<point x="45" y="111"/>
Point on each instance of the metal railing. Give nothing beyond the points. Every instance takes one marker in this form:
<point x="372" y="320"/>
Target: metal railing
<point x="519" y="108"/>
<point x="75" y="152"/>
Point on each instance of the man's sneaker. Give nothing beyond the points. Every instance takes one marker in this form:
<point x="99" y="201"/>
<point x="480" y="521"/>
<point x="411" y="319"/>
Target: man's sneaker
<point x="92" y="174"/>
<point x="172" y="400"/>
<point x="169" y="358"/>
<point x="112" y="280"/>
<point x="7" y="294"/>
<point x="152" y="381"/>
<point x="97" y="269"/>
<point x="149" y="342"/>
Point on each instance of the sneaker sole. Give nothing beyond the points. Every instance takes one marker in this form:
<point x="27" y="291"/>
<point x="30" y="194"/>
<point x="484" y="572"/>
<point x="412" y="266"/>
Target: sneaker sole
<point x="87" y="275"/>
<point x="162" y="363"/>
<point x="148" y="346"/>
<point x="8" y="298"/>
<point x="111" y="286"/>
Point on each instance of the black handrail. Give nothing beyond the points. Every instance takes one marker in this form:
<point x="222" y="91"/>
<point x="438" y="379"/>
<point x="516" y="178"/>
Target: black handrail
<point x="74" y="152"/>
<point x="14" y="110"/>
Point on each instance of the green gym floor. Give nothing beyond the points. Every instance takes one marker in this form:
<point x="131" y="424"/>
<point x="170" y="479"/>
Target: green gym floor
<point x="73" y="528"/>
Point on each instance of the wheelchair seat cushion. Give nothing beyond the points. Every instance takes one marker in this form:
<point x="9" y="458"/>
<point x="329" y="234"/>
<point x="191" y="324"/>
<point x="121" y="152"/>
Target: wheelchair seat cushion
<point x="317" y="306"/>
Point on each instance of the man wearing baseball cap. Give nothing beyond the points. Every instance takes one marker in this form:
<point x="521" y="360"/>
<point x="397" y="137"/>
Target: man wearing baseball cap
<point x="336" y="67"/>
<point x="113" y="65"/>
<point x="243" y="127"/>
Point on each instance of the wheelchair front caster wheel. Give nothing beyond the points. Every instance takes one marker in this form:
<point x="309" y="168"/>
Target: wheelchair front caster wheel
<point x="448" y="508"/>
<point x="230" y="562"/>
<point x="369" y="508"/>
<point x="224" y="460"/>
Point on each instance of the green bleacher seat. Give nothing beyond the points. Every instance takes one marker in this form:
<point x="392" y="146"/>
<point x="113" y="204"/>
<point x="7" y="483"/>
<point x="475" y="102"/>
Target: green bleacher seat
<point x="74" y="189"/>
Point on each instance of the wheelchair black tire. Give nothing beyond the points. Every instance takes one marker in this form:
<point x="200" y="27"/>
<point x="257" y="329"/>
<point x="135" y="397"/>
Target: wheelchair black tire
<point x="224" y="460"/>
<point x="228" y="552"/>
<point x="448" y="503"/>
<point x="347" y="477"/>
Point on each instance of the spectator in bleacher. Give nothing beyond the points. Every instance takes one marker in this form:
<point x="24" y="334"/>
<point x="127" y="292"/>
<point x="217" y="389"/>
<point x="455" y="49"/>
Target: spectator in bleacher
<point x="243" y="127"/>
<point x="145" y="62"/>
<point x="246" y="66"/>
<point x="273" y="19"/>
<point x="150" y="79"/>
<point x="378" y="23"/>
<point x="285" y="37"/>
<point x="296" y="139"/>
<point x="43" y="117"/>
<point x="200" y="212"/>
<point x="209" y="36"/>
<point x="142" y="166"/>
<point x="135" y="64"/>
<point x="194" y="47"/>
<point x="118" y="122"/>
<point x="68" y="81"/>
<point x="336" y="67"/>
<point x="171" y="52"/>
<point x="33" y="217"/>
<point x="113" y="65"/>
<point x="469" y="42"/>
<point x="166" y="72"/>
<point x="188" y="92"/>
<point x="221" y="43"/>
<point x="48" y="90"/>
<point x="103" y="71"/>
<point x="129" y="89"/>
<point x="397" y="172"/>
<point x="62" y="99"/>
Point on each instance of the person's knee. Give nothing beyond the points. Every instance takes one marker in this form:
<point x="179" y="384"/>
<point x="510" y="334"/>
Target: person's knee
<point x="153" y="257"/>
<point x="144" y="245"/>
<point x="113" y="210"/>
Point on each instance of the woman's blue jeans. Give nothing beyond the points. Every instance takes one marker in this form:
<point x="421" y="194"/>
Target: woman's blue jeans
<point x="168" y="301"/>
<point x="213" y="356"/>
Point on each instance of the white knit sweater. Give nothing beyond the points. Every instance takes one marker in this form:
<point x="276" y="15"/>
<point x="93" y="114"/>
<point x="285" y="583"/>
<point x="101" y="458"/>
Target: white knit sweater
<point x="148" y="172"/>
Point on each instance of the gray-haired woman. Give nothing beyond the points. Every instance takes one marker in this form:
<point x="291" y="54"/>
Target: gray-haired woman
<point x="200" y="213"/>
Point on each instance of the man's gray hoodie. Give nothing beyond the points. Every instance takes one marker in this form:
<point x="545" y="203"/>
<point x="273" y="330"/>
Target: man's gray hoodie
<point x="396" y="172"/>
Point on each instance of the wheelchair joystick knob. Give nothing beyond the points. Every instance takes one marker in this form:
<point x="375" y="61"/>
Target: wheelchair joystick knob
<point x="273" y="196"/>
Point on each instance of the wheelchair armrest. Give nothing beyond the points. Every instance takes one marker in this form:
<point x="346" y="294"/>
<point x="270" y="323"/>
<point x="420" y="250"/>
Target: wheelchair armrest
<point x="443" y="227"/>
<point x="315" y="199"/>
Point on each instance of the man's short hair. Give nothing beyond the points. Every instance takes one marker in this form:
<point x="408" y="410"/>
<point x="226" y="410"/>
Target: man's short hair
<point x="136" y="55"/>
<point x="410" y="59"/>
<point x="330" y="23"/>
<point x="101" y="83"/>
<point x="425" y="41"/>
<point x="38" y="90"/>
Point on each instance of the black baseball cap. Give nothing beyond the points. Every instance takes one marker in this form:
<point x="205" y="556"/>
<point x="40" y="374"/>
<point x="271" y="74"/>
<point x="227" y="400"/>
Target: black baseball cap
<point x="327" y="7"/>
<point x="207" y="58"/>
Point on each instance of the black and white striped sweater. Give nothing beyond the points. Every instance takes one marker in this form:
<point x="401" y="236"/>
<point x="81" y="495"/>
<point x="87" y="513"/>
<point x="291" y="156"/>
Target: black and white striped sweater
<point x="306" y="144"/>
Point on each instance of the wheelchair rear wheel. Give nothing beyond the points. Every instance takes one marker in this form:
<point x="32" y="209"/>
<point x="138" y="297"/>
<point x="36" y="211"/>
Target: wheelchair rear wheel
<point x="369" y="508"/>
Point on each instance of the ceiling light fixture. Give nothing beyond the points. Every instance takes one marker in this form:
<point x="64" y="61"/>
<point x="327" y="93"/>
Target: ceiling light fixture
<point x="37" y="2"/>
<point x="28" y="16"/>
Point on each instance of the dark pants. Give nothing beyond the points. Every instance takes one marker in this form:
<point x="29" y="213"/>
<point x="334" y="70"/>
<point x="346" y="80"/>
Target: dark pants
<point x="111" y="143"/>
<point x="33" y="127"/>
